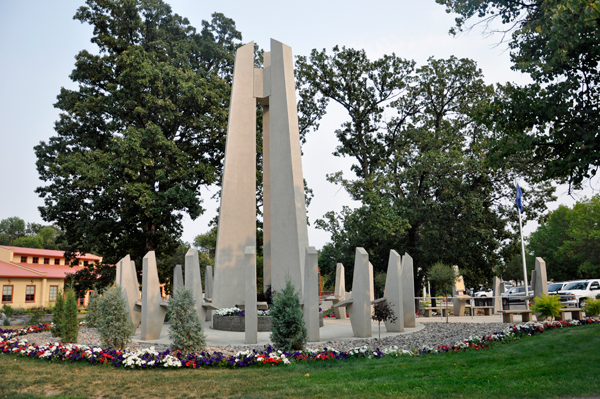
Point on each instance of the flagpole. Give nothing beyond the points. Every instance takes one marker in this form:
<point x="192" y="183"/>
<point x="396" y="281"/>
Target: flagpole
<point x="523" y="253"/>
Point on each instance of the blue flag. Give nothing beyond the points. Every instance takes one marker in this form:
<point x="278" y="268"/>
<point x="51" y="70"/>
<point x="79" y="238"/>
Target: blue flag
<point x="519" y="196"/>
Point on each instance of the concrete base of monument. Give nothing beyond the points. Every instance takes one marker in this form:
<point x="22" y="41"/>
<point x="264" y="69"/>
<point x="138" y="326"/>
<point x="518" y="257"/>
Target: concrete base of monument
<point x="333" y="330"/>
<point x="238" y="323"/>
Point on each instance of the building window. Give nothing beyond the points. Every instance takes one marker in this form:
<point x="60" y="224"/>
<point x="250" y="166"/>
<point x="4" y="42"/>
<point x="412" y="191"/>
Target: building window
<point x="81" y="300"/>
<point x="57" y="261"/>
<point x="53" y="292"/>
<point x="46" y="261"/>
<point x="23" y="259"/>
<point x="85" y="262"/>
<point x="7" y="293"/>
<point x="30" y="293"/>
<point x="35" y="260"/>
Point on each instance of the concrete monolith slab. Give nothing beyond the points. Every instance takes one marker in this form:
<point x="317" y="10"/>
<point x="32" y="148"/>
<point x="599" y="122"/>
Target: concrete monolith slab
<point x="311" y="294"/>
<point x="498" y="290"/>
<point x="177" y="279"/>
<point x="193" y="281"/>
<point x="360" y="308"/>
<point x="237" y="215"/>
<point x="250" y="309"/>
<point x="128" y="281"/>
<point x="340" y="290"/>
<point x="393" y="292"/>
<point x="408" y="292"/>
<point x="540" y="286"/>
<point x="208" y="289"/>
<point x="153" y="314"/>
<point x="288" y="229"/>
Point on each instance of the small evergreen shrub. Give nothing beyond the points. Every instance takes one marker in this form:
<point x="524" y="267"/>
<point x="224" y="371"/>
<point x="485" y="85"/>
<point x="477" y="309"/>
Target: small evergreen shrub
<point x="288" y="332"/>
<point x="114" y="322"/>
<point x="92" y="311"/>
<point x="7" y="310"/>
<point x="547" y="306"/>
<point x="69" y="328"/>
<point x="57" y="314"/>
<point x="186" y="329"/>
<point x="592" y="307"/>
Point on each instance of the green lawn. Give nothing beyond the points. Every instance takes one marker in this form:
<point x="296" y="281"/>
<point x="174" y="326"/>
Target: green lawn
<point x="558" y="363"/>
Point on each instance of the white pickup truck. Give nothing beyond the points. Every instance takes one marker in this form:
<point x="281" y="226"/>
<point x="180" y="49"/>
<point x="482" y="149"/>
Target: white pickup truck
<point x="576" y="292"/>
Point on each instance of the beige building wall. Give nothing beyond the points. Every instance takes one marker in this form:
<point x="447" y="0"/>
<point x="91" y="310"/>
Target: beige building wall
<point x="42" y="291"/>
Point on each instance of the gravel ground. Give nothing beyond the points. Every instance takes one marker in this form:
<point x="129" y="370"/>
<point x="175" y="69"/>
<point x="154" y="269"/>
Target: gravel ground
<point x="432" y="335"/>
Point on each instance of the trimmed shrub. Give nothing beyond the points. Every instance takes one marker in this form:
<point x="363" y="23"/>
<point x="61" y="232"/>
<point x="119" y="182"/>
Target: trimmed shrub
<point x="288" y="332"/>
<point x="383" y="311"/>
<point x="592" y="307"/>
<point x="69" y="329"/>
<point x="547" y="306"/>
<point x="114" y="322"/>
<point x="186" y="329"/>
<point x="57" y="314"/>
<point x="92" y="310"/>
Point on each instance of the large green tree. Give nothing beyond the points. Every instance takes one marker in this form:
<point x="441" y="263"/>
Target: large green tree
<point x="554" y="121"/>
<point x="569" y="241"/>
<point x="142" y="132"/>
<point x="422" y="172"/>
<point x="15" y="232"/>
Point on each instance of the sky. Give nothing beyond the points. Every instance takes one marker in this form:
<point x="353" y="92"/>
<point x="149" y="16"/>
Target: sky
<point x="39" y="40"/>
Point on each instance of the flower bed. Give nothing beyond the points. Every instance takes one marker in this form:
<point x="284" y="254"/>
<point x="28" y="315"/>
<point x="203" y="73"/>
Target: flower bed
<point x="12" y="343"/>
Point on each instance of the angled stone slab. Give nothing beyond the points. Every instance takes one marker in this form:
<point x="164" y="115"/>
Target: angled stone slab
<point x="532" y="280"/>
<point x="359" y="307"/>
<point x="498" y="290"/>
<point x="177" y="279"/>
<point x="208" y="290"/>
<point x="393" y="292"/>
<point x="459" y="299"/>
<point x="193" y="282"/>
<point x="130" y="288"/>
<point x="540" y="286"/>
<point x="288" y="229"/>
<point x="340" y="290"/>
<point x="237" y="215"/>
<point x="153" y="314"/>
<point x="251" y="317"/>
<point x="311" y="294"/>
<point x="408" y="291"/>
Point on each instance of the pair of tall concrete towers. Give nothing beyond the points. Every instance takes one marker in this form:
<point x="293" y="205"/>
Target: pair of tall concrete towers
<point x="285" y="234"/>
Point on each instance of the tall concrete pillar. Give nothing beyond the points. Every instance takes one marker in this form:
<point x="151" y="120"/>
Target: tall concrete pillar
<point x="130" y="287"/>
<point x="289" y="233"/>
<point x="360" y="309"/>
<point x="153" y="314"/>
<point x="237" y="216"/>
<point x="177" y="279"/>
<point x="393" y="292"/>
<point x="311" y="294"/>
<point x="193" y="281"/>
<point x="340" y="290"/>
<point x="540" y="286"/>
<point x="262" y="90"/>
<point x="408" y="292"/>
<point x="250" y="308"/>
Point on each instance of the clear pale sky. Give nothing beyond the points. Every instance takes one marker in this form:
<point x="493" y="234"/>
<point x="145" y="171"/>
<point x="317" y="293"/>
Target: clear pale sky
<point x="39" y="40"/>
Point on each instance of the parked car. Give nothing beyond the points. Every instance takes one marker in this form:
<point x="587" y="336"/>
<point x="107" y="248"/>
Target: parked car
<point x="553" y="288"/>
<point x="484" y="293"/>
<point x="516" y="294"/>
<point x="576" y="292"/>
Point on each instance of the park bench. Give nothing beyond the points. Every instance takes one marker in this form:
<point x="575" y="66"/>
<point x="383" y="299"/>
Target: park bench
<point x="507" y="315"/>
<point x="487" y="310"/>
<point x="259" y="305"/>
<point x="576" y="313"/>
<point x="428" y="310"/>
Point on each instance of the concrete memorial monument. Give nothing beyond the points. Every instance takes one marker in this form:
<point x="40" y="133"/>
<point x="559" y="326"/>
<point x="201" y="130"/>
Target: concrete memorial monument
<point x="285" y="230"/>
<point x="408" y="292"/>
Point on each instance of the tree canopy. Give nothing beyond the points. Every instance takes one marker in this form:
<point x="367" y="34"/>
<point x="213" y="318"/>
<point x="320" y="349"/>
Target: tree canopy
<point x="423" y="175"/>
<point x="15" y="232"/>
<point x="554" y="121"/>
<point x="569" y="241"/>
<point x="143" y="131"/>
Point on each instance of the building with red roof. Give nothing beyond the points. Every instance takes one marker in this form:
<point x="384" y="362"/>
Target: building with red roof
<point x="32" y="278"/>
